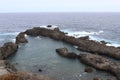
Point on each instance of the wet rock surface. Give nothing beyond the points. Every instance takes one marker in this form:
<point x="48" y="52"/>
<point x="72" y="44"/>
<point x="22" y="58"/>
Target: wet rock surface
<point x="21" y="38"/>
<point x="84" y="44"/>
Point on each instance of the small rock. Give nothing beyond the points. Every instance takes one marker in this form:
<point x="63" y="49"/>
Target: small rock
<point x="88" y="69"/>
<point x="49" y="25"/>
<point x="40" y="70"/>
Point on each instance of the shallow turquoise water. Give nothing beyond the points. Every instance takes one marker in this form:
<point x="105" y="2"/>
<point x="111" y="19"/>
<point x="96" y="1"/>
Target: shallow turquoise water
<point x="40" y="53"/>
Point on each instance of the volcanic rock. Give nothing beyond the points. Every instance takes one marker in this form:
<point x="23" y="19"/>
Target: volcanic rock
<point x="21" y="38"/>
<point x="64" y="52"/>
<point x="101" y="63"/>
<point x="7" y="49"/>
<point x="84" y="44"/>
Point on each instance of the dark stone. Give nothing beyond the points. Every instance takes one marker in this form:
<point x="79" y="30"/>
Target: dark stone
<point x="21" y="38"/>
<point x="64" y="52"/>
<point x="88" y="69"/>
<point x="8" y="49"/>
<point x="49" y="25"/>
<point x="40" y="70"/>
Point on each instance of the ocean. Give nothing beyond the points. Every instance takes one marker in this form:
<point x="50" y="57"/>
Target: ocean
<point x="40" y="53"/>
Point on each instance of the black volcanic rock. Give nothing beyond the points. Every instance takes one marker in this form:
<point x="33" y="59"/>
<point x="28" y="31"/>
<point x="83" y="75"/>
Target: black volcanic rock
<point x="84" y="38"/>
<point x="7" y="49"/>
<point x="100" y="63"/>
<point x="49" y="25"/>
<point x="64" y="52"/>
<point x="21" y="38"/>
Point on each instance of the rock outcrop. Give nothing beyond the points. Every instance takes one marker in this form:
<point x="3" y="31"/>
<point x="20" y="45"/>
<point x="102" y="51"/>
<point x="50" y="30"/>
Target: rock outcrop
<point x="21" y="38"/>
<point x="100" y="63"/>
<point x="7" y="49"/>
<point x="83" y="44"/>
<point x="6" y="67"/>
<point x="64" y="52"/>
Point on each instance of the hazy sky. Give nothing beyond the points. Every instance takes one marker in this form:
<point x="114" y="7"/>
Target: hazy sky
<point x="59" y="5"/>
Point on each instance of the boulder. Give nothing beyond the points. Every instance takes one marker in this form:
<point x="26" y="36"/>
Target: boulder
<point x="49" y="25"/>
<point x="64" y="52"/>
<point x="21" y="38"/>
<point x="7" y="49"/>
<point x="100" y="63"/>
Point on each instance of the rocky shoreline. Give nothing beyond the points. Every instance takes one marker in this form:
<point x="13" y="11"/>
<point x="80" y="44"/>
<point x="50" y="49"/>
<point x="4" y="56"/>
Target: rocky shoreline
<point x="7" y="70"/>
<point x="84" y="44"/>
<point x="93" y="58"/>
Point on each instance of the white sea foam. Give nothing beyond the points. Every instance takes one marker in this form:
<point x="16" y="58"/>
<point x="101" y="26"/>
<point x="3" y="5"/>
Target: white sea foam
<point x="13" y="40"/>
<point x="92" y="37"/>
<point x="10" y="33"/>
<point x="25" y="35"/>
<point x="38" y="37"/>
<point x="52" y="27"/>
<point x="110" y="43"/>
<point x="76" y="47"/>
<point x="83" y="33"/>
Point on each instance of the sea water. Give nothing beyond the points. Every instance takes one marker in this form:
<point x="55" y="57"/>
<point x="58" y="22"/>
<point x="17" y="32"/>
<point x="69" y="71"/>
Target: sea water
<point x="39" y="52"/>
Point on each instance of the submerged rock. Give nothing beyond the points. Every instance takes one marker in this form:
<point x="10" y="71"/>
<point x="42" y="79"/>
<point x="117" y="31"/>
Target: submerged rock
<point x="21" y="38"/>
<point x="100" y="63"/>
<point x="83" y="44"/>
<point x="88" y="69"/>
<point x="7" y="49"/>
<point x="64" y="52"/>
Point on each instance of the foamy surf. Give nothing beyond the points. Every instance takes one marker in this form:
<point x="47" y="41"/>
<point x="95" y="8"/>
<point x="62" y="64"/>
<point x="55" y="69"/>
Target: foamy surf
<point x="92" y="37"/>
<point x="9" y="33"/>
<point x="110" y="43"/>
<point x="83" y="33"/>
